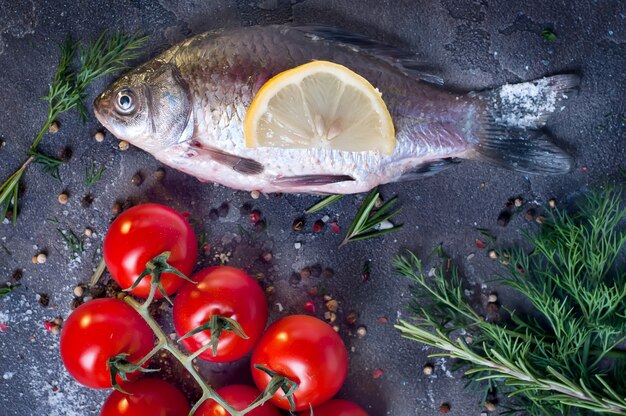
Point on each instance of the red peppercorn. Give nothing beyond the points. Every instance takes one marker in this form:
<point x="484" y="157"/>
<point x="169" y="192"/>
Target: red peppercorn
<point x="255" y="216"/>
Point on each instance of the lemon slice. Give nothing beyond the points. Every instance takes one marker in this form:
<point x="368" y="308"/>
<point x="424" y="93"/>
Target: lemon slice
<point x="319" y="105"/>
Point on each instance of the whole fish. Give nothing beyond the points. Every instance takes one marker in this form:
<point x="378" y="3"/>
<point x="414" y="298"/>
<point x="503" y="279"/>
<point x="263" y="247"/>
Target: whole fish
<point x="187" y="106"/>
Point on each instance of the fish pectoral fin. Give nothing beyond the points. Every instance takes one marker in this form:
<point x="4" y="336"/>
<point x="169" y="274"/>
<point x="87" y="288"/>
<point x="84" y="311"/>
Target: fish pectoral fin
<point x="428" y="169"/>
<point x="310" y="180"/>
<point x="239" y="164"/>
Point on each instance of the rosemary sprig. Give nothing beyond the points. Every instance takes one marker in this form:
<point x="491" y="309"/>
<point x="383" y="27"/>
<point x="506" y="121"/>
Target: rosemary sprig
<point x="68" y="90"/>
<point x="74" y="243"/>
<point x="93" y="175"/>
<point x="566" y="361"/>
<point x="323" y="203"/>
<point x="368" y="222"/>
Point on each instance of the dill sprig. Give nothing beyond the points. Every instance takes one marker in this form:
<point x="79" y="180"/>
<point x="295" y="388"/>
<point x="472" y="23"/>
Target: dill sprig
<point x="369" y="222"/>
<point x="566" y="358"/>
<point x="93" y="175"/>
<point x="49" y="164"/>
<point x="99" y="57"/>
<point x="5" y="290"/>
<point x="74" y="243"/>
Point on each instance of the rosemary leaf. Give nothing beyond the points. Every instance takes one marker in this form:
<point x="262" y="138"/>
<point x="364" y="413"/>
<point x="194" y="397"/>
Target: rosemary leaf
<point x="369" y="223"/>
<point x="323" y="203"/>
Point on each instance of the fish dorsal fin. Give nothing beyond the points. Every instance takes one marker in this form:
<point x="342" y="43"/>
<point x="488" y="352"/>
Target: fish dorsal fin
<point x="407" y="62"/>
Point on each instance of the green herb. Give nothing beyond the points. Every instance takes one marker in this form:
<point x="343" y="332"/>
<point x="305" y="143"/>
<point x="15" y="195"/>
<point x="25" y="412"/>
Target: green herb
<point x="368" y="222"/>
<point x="93" y="175"/>
<point x="548" y="35"/>
<point x="74" y="243"/>
<point x="323" y="203"/>
<point x="565" y="359"/>
<point x="5" y="290"/>
<point x="623" y="118"/>
<point x="68" y="90"/>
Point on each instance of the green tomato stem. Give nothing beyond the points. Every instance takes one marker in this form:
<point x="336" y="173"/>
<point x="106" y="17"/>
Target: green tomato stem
<point x="165" y="343"/>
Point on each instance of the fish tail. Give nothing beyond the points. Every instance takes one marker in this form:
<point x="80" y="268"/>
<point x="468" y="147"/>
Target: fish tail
<point x="510" y="132"/>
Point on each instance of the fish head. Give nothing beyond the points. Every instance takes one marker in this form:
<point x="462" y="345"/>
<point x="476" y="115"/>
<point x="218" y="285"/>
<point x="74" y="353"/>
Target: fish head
<point x="149" y="107"/>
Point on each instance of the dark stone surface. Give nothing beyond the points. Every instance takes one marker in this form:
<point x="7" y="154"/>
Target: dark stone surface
<point x="475" y="45"/>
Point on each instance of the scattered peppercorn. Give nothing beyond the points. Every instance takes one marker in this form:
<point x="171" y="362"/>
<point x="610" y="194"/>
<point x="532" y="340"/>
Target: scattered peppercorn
<point x="123" y="145"/>
<point x="444" y="408"/>
<point x="493" y="298"/>
<point x="529" y="215"/>
<point x="518" y="202"/>
<point x="88" y="232"/>
<point x="79" y="291"/>
<point x="55" y="330"/>
<point x="137" y="179"/>
<point x="540" y="219"/>
<point x="428" y="369"/>
<point x="318" y="226"/>
<point x="352" y="317"/>
<point x="298" y="224"/>
<point x="267" y="257"/>
<point x="552" y="203"/>
<point x="87" y="201"/>
<point x="255" y="194"/>
<point x="159" y="174"/>
<point x="330" y="316"/>
<point x="492" y="254"/>
<point x="223" y="209"/>
<point x="361" y="331"/>
<point x="63" y="198"/>
<point x="332" y="305"/>
<point x="490" y="406"/>
<point x="309" y="307"/>
<point x="54" y="127"/>
<point x="44" y="300"/>
<point x="99" y="136"/>
<point x="305" y="273"/>
<point x="328" y="273"/>
<point x="255" y="216"/>
<point x="58" y="321"/>
<point x="116" y="208"/>
<point x="41" y="258"/>
<point x="503" y="218"/>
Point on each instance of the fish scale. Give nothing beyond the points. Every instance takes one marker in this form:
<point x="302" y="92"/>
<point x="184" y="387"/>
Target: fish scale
<point x="209" y="82"/>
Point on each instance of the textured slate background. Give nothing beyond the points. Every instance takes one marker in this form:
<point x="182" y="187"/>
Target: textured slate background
<point x="474" y="45"/>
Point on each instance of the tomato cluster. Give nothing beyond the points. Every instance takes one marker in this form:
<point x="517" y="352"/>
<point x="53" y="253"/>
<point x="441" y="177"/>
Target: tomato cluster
<point x="219" y="314"/>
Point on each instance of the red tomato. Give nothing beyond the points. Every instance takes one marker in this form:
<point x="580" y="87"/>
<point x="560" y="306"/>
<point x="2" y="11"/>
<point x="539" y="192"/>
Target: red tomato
<point x="224" y="291"/>
<point x="142" y="233"/>
<point x="239" y="397"/>
<point x="98" y="330"/>
<point x="336" y="407"/>
<point x="307" y="351"/>
<point x="148" y="396"/>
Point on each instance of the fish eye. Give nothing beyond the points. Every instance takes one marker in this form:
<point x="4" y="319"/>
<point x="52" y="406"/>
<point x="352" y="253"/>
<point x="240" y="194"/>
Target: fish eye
<point x="125" y="102"/>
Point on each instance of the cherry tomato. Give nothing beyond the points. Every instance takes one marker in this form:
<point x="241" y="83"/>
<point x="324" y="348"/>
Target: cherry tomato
<point x="98" y="330"/>
<point x="307" y="351"/>
<point x="230" y="293"/>
<point x="142" y="233"/>
<point x="336" y="407"/>
<point x="239" y="397"/>
<point x="148" y="396"/>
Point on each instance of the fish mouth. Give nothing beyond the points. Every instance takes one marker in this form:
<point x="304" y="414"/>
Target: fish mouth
<point x="101" y="109"/>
